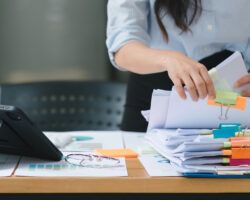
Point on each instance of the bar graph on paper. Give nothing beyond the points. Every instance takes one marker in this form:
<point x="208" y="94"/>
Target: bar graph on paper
<point x="52" y="167"/>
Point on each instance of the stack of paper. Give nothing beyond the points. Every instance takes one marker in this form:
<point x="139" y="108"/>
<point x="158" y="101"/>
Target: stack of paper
<point x="198" y="151"/>
<point x="181" y="130"/>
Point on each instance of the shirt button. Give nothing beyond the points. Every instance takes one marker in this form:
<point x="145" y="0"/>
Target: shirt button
<point x="209" y="27"/>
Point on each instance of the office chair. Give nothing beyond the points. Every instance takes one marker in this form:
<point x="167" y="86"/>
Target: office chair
<point x="68" y="106"/>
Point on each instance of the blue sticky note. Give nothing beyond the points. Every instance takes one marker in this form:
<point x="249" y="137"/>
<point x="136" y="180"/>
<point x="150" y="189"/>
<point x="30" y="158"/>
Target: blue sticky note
<point x="227" y="130"/>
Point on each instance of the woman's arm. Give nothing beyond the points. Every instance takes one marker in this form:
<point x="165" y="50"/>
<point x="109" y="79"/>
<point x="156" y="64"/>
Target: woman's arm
<point x="127" y="42"/>
<point x="138" y="58"/>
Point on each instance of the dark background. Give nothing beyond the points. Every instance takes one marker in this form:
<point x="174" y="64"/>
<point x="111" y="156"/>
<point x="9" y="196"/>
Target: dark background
<point x="44" y="40"/>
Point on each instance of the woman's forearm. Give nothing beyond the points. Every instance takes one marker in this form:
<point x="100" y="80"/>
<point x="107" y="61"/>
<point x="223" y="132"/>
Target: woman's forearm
<point x="138" y="58"/>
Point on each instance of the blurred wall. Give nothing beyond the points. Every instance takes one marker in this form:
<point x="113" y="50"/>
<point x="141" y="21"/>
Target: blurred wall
<point x="53" y="39"/>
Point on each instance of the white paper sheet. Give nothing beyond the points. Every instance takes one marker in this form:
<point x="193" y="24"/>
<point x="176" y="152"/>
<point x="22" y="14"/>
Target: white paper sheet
<point x="37" y="167"/>
<point x="230" y="70"/>
<point x="158" y="109"/>
<point x="137" y="142"/>
<point x="157" y="165"/>
<point x="200" y="114"/>
<point x="154" y="163"/>
<point x="86" y="140"/>
<point x="7" y="164"/>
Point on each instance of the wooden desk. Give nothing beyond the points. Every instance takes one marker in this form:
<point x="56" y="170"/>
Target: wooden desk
<point x="137" y="182"/>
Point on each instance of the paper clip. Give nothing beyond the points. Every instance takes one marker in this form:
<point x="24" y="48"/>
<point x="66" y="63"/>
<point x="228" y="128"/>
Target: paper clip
<point x="244" y="133"/>
<point x="240" y="105"/>
<point x="225" y="117"/>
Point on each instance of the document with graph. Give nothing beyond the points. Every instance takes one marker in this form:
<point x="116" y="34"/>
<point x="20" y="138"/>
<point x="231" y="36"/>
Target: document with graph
<point x="37" y="167"/>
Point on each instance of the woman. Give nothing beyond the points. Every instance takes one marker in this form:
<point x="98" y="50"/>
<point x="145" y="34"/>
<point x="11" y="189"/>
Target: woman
<point x="174" y="42"/>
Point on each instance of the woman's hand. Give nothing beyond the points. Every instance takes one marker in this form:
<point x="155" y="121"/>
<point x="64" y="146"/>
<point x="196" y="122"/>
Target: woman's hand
<point x="141" y="59"/>
<point x="243" y="81"/>
<point x="194" y="75"/>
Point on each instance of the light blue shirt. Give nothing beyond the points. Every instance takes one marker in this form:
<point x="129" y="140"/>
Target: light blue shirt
<point x="224" y="24"/>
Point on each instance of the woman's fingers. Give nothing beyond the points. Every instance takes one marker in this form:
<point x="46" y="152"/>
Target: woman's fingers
<point x="242" y="81"/>
<point x="183" y="70"/>
<point x="179" y="88"/>
<point x="199" y="84"/>
<point x="191" y="87"/>
<point x="208" y="81"/>
<point x="246" y="93"/>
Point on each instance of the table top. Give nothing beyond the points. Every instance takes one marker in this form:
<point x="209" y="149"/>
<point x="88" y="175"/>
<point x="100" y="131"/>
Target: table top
<point x="138" y="181"/>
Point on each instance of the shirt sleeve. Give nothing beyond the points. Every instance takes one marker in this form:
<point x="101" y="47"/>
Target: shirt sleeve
<point x="127" y="21"/>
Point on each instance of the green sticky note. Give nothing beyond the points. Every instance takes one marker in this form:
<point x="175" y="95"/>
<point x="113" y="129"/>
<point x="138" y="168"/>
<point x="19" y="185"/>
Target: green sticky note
<point x="226" y="97"/>
<point x="227" y="145"/>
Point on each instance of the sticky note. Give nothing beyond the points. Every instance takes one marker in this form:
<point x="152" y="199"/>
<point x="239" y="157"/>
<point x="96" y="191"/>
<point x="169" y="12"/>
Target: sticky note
<point x="241" y="153"/>
<point x="226" y="97"/>
<point x="127" y="153"/>
<point x="239" y="162"/>
<point x="227" y="152"/>
<point x="241" y="103"/>
<point x="226" y="130"/>
<point x="240" y="143"/>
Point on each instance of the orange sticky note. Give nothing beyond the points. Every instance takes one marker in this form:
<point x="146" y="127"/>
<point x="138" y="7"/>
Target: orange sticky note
<point x="241" y="103"/>
<point x="241" y="153"/>
<point x="127" y="153"/>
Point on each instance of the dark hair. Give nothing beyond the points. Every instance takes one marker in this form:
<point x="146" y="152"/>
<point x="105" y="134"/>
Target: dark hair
<point x="179" y="11"/>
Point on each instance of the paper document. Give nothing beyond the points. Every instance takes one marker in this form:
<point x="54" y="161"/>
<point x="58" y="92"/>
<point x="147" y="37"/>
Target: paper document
<point x="137" y="142"/>
<point x="201" y="115"/>
<point x="157" y="165"/>
<point x="205" y="155"/>
<point x="154" y="163"/>
<point x="228" y="72"/>
<point x="8" y="164"/>
<point x="37" y="167"/>
<point x="86" y="140"/>
<point x="159" y="109"/>
<point x="168" y="110"/>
